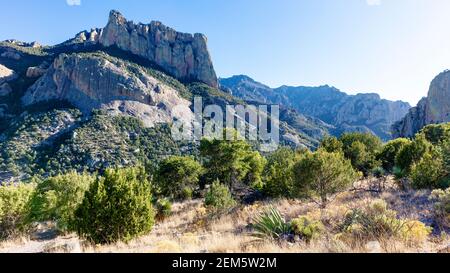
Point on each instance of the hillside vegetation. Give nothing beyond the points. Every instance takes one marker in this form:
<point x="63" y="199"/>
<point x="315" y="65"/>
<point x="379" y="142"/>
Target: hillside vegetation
<point x="88" y="162"/>
<point x="340" y="198"/>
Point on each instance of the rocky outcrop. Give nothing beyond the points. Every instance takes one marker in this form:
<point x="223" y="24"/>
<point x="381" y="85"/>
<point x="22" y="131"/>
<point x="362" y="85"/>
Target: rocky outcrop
<point x="413" y="122"/>
<point x="98" y="81"/>
<point x="182" y="55"/>
<point x="88" y="37"/>
<point x="37" y="71"/>
<point x="6" y="75"/>
<point x="361" y="112"/>
<point x="430" y="110"/>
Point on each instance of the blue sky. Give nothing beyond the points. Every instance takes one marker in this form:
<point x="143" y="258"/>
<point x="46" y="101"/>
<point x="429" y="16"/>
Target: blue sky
<point x="391" y="47"/>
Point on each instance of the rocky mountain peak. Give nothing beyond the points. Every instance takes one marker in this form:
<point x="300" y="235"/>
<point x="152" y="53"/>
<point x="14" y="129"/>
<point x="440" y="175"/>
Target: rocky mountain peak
<point x="116" y="17"/>
<point x="185" y="56"/>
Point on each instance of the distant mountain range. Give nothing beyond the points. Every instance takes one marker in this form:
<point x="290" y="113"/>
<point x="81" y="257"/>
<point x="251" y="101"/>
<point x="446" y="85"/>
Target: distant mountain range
<point x="342" y="112"/>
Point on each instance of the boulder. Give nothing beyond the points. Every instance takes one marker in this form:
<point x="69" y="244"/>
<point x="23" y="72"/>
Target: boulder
<point x="35" y="72"/>
<point x="63" y="246"/>
<point x="6" y="74"/>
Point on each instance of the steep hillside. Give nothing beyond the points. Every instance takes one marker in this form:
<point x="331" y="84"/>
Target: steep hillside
<point x="98" y="81"/>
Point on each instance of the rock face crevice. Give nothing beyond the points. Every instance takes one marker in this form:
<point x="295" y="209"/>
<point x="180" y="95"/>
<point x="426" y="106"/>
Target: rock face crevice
<point x="182" y="55"/>
<point x="99" y="81"/>
<point x="433" y="109"/>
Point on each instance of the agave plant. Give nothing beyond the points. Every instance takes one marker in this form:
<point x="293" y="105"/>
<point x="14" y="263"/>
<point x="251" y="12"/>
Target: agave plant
<point x="270" y="224"/>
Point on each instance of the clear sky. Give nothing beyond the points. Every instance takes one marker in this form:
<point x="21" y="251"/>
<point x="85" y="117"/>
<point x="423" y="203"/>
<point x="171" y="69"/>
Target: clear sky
<point x="391" y="47"/>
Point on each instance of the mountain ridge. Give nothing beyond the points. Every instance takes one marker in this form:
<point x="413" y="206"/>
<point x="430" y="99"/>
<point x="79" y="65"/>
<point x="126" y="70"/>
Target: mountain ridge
<point x="183" y="55"/>
<point x="364" y="112"/>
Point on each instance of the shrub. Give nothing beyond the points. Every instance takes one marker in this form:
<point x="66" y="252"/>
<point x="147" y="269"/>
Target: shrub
<point x="178" y="177"/>
<point x="163" y="209"/>
<point x="57" y="198"/>
<point x="415" y="232"/>
<point x="278" y="176"/>
<point x="442" y="207"/>
<point x="14" y="200"/>
<point x="219" y="198"/>
<point x="379" y="172"/>
<point x="270" y="224"/>
<point x="116" y="207"/>
<point x="361" y="149"/>
<point x="307" y="228"/>
<point x="231" y="161"/>
<point x="436" y="133"/>
<point x="331" y="145"/>
<point x="377" y="222"/>
<point x="322" y="174"/>
<point x="389" y="152"/>
<point x="187" y="194"/>
<point x="399" y="173"/>
<point x="412" y="153"/>
<point x="445" y="149"/>
<point x="428" y="172"/>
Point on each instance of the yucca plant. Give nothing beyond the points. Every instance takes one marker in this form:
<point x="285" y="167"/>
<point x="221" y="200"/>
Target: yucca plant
<point x="270" y="224"/>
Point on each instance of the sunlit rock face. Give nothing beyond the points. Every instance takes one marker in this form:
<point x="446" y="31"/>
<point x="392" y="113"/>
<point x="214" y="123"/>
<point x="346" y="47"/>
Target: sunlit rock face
<point x="184" y="56"/>
<point x="99" y="81"/>
<point x="430" y="110"/>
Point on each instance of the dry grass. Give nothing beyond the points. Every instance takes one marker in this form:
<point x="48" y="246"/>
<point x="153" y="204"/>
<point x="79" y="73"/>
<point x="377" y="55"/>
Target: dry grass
<point x="191" y="230"/>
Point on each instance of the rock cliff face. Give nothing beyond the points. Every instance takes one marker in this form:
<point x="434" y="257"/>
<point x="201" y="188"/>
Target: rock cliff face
<point x="98" y="81"/>
<point x="182" y="55"/>
<point x="431" y="110"/>
<point x="6" y="75"/>
<point x="362" y="112"/>
<point x="37" y="71"/>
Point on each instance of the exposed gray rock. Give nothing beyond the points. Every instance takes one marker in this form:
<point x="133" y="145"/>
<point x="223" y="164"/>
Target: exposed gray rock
<point x="6" y="74"/>
<point x="413" y="122"/>
<point x="35" y="72"/>
<point x="23" y="44"/>
<point x="184" y="56"/>
<point x="99" y="81"/>
<point x="433" y="109"/>
<point x="63" y="246"/>
<point x="35" y="45"/>
<point x="374" y="247"/>
<point x="90" y="37"/>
